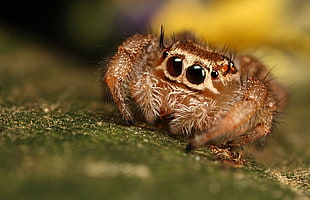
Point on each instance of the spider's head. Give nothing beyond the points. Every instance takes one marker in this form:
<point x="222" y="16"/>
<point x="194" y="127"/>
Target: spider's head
<point x="196" y="67"/>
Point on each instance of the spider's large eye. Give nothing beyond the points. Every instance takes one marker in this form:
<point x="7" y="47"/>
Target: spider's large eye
<point x="174" y="66"/>
<point x="195" y="74"/>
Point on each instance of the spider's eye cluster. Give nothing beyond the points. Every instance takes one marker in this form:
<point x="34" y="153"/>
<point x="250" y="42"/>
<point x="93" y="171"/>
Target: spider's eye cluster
<point x="195" y="74"/>
<point x="174" y="66"/>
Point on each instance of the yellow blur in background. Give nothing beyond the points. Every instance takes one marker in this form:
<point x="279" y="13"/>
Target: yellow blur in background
<point x="275" y="30"/>
<point x="242" y="23"/>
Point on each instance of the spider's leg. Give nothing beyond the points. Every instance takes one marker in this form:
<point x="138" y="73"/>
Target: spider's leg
<point x="251" y="66"/>
<point x="148" y="95"/>
<point x="128" y="60"/>
<point x="260" y="130"/>
<point x="255" y="109"/>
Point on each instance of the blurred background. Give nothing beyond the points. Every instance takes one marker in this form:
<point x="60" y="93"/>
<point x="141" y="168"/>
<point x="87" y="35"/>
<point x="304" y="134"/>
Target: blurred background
<point x="86" y="29"/>
<point x="90" y="28"/>
<point x="277" y="31"/>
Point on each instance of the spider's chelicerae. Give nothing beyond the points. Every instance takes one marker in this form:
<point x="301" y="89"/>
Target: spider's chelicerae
<point x="202" y="93"/>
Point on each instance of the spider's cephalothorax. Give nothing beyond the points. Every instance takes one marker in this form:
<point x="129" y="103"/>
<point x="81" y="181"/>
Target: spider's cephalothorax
<point x="203" y="93"/>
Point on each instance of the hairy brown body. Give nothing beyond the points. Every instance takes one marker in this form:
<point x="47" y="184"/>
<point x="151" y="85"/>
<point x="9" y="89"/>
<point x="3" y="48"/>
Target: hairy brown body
<point x="203" y="93"/>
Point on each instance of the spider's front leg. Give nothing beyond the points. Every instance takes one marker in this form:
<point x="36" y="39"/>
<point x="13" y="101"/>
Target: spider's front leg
<point x="129" y="60"/>
<point x="245" y="121"/>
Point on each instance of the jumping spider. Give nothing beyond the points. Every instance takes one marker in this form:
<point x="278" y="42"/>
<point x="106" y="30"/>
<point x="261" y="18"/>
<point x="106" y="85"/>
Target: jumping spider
<point x="204" y="94"/>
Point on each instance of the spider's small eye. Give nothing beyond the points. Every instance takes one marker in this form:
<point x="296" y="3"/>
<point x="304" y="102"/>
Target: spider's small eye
<point x="195" y="74"/>
<point x="174" y="66"/>
<point x="214" y="74"/>
<point x="165" y="54"/>
<point x="232" y="67"/>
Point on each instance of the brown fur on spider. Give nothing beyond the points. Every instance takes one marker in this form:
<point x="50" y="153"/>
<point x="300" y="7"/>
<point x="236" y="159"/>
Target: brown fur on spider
<point x="204" y="94"/>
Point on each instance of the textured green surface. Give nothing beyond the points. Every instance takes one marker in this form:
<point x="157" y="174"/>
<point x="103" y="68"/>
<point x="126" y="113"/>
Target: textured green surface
<point x="59" y="140"/>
